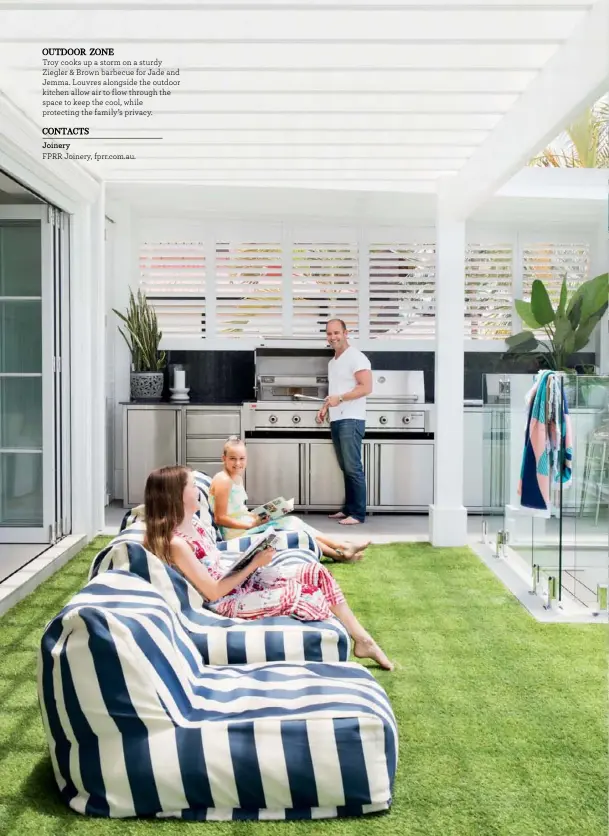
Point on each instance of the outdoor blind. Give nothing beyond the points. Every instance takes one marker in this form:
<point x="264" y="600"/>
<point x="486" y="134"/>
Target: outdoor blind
<point x="325" y="284"/>
<point x="402" y="281"/>
<point x="172" y="275"/>
<point x="249" y="279"/>
<point x="488" y="291"/>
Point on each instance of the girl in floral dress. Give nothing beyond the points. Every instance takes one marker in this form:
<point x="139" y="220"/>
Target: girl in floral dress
<point x="307" y="592"/>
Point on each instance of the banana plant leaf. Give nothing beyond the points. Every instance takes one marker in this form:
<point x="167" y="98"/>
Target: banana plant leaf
<point x="522" y="343"/>
<point x="523" y="309"/>
<point x="541" y="305"/>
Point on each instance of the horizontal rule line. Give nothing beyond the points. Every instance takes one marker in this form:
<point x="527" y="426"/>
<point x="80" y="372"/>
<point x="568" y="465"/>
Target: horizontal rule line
<point x="49" y="137"/>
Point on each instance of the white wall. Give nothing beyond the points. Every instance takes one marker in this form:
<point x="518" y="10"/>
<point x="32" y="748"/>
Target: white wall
<point x="81" y="196"/>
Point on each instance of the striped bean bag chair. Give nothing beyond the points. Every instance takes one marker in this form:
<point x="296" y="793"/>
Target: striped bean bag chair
<point x="223" y="640"/>
<point x="138" y="725"/>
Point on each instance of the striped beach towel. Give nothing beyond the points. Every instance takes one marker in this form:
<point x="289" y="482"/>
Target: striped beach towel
<point x="138" y="725"/>
<point x="547" y="458"/>
<point x="221" y="640"/>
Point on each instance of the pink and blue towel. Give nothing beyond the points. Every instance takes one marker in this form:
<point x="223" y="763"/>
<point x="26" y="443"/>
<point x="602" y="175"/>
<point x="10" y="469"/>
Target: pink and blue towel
<point x="548" y="431"/>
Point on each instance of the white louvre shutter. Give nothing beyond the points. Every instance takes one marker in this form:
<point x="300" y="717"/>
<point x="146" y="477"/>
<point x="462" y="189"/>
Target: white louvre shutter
<point x="325" y="284"/>
<point x="488" y="291"/>
<point x="402" y="291"/>
<point x="551" y="262"/>
<point x="248" y="289"/>
<point x="172" y="276"/>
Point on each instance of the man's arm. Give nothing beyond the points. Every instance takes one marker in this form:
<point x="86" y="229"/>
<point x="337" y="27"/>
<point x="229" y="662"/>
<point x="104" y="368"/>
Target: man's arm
<point x="363" y="387"/>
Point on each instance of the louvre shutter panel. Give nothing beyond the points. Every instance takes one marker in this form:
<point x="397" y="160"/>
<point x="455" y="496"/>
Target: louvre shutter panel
<point x="248" y="289"/>
<point x="402" y="291"/>
<point x="551" y="262"/>
<point x="325" y="284"/>
<point x="172" y="276"/>
<point x="488" y="291"/>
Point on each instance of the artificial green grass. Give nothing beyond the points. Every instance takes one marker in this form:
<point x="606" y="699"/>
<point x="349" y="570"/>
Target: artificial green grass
<point x="502" y="720"/>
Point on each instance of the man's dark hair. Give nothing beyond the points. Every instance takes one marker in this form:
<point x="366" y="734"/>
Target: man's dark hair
<point x="342" y="324"/>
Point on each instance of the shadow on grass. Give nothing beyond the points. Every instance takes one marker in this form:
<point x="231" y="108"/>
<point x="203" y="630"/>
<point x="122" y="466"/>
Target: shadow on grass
<point x="40" y="793"/>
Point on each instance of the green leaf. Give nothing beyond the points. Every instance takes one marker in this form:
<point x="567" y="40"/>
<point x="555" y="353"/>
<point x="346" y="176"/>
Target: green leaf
<point x="564" y="292"/>
<point x="522" y="343"/>
<point x="584" y="332"/>
<point x="523" y="309"/>
<point x="574" y="310"/>
<point x="562" y="330"/>
<point x="541" y="306"/>
<point x="595" y="293"/>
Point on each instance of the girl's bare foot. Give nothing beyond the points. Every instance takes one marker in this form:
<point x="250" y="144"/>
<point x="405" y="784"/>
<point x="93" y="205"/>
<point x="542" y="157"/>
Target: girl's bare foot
<point x="363" y="546"/>
<point x="366" y="648"/>
<point x="348" y="554"/>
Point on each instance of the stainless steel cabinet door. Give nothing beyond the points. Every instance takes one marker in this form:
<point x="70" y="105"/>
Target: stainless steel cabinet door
<point x="273" y="469"/>
<point x="151" y="441"/>
<point x="405" y="473"/>
<point x="325" y="484"/>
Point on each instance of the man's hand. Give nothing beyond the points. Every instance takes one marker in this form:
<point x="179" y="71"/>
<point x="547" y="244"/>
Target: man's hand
<point x="321" y="415"/>
<point x="332" y="400"/>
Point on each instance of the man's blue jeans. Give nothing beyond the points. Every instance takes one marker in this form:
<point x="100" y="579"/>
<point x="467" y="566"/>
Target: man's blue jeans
<point x="347" y="437"/>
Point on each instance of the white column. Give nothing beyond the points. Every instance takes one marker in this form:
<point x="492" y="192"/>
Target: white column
<point x="447" y="516"/>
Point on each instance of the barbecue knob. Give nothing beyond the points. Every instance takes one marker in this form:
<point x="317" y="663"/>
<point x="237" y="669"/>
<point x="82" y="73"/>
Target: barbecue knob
<point x="383" y="419"/>
<point x="296" y="419"/>
<point x="406" y="419"/>
<point x="273" y="419"/>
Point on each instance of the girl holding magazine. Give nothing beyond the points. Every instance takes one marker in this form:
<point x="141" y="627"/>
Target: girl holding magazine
<point x="307" y="592"/>
<point x="228" y="501"/>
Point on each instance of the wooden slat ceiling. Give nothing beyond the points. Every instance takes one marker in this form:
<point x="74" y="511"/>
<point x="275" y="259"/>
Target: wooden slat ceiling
<point x="347" y="95"/>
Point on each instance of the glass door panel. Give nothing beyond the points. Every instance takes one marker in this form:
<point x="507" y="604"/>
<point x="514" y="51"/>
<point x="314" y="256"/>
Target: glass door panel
<point x="27" y="494"/>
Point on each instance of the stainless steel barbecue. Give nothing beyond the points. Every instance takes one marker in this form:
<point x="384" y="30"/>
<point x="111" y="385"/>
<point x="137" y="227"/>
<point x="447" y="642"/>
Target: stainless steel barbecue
<point x="291" y="386"/>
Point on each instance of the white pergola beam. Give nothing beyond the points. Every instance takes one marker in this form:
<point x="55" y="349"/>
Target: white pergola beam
<point x="574" y="78"/>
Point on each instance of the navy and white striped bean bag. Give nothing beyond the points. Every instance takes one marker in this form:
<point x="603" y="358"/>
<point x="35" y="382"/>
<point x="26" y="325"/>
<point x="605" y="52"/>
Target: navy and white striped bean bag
<point x="222" y="640"/>
<point x="138" y="725"/>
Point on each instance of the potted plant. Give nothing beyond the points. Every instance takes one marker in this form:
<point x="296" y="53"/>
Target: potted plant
<point x="143" y="338"/>
<point x="567" y="329"/>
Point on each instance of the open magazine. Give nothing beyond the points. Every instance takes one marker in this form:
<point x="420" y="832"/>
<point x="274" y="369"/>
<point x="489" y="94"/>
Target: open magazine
<point x="259" y="543"/>
<point x="274" y="509"/>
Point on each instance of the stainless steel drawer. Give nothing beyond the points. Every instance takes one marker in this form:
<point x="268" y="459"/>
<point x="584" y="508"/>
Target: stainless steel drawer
<point x="210" y="422"/>
<point x="204" y="448"/>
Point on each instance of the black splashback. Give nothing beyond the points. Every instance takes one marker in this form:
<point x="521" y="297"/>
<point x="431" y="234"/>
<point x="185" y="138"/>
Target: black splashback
<point x="217" y="376"/>
<point x="228" y="376"/>
<point x="479" y="363"/>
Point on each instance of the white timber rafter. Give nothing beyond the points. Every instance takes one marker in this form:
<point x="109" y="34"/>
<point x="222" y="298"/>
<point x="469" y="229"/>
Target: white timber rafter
<point x="574" y="78"/>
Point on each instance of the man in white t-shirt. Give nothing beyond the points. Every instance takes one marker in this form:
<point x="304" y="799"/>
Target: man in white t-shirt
<point x="349" y="381"/>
